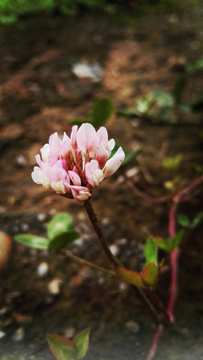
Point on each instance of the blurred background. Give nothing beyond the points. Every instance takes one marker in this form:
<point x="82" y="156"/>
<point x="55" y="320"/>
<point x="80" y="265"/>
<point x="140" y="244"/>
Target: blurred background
<point x="139" y="65"/>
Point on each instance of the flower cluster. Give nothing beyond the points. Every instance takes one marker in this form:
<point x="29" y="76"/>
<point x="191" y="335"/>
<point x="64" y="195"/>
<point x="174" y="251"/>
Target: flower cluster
<point x="74" y="166"/>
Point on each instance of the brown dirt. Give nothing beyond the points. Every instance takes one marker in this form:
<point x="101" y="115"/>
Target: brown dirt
<point x="39" y="95"/>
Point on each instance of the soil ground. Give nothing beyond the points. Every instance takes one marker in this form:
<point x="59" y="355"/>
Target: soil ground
<point x="40" y="95"/>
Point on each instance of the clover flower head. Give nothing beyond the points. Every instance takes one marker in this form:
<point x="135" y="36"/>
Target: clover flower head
<point x="74" y="166"/>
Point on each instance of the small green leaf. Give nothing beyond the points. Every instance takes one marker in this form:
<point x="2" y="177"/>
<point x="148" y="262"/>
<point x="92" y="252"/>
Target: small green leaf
<point x="130" y="276"/>
<point x="81" y="340"/>
<point x="150" y="252"/>
<point x="171" y="243"/>
<point x="33" y="241"/>
<point x="150" y="274"/>
<point x="198" y="218"/>
<point x="61" y="347"/>
<point x="63" y="239"/>
<point x="183" y="220"/>
<point x="163" y="98"/>
<point x="170" y="163"/>
<point x="60" y="223"/>
<point x="101" y="112"/>
<point x="179" y="89"/>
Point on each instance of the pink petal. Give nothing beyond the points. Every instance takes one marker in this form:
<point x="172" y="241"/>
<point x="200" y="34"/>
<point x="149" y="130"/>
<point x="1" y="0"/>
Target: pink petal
<point x="74" y="178"/>
<point x="55" y="143"/>
<point x="86" y="138"/>
<point x="73" y="138"/>
<point x="113" y="164"/>
<point x="66" y="146"/>
<point x="90" y="169"/>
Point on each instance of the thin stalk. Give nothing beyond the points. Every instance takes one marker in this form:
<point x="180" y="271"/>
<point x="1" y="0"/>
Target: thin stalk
<point x="83" y="262"/>
<point x="97" y="227"/>
<point x="155" y="342"/>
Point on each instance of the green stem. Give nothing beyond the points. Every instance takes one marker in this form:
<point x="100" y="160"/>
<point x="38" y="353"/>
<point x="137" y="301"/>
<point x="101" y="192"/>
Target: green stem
<point x="97" y="227"/>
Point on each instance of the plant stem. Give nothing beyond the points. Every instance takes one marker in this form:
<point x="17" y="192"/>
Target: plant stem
<point x="83" y="262"/>
<point x="94" y="220"/>
<point x="155" y="342"/>
<point x="97" y="227"/>
<point x="175" y="253"/>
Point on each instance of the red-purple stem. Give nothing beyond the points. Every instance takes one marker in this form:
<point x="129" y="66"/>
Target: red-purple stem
<point x="174" y="254"/>
<point x="155" y="342"/>
<point x="173" y="262"/>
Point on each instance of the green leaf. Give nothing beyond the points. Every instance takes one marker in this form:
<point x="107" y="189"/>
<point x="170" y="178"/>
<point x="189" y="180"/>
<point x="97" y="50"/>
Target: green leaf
<point x="130" y="276"/>
<point x="150" y="252"/>
<point x="81" y="340"/>
<point x="60" y="223"/>
<point x="170" y="163"/>
<point x="198" y="218"/>
<point x="33" y="241"/>
<point x="183" y="220"/>
<point x="179" y="89"/>
<point x="150" y="274"/>
<point x="131" y="155"/>
<point x="63" y="239"/>
<point x="101" y="112"/>
<point x="61" y="347"/>
<point x="163" y="98"/>
<point x="171" y="243"/>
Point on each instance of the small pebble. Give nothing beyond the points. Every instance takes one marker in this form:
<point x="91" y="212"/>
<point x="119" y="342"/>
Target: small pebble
<point x="89" y="71"/>
<point x="69" y="333"/>
<point x="3" y="310"/>
<point x="20" y="161"/>
<point x="101" y="281"/>
<point x="79" y="242"/>
<point x="2" y="209"/>
<point x="81" y="216"/>
<point x="121" y="241"/>
<point x="2" y="334"/>
<point x="105" y="221"/>
<point x="24" y="227"/>
<point x="132" y="172"/>
<point x="19" y="335"/>
<point x="54" y="286"/>
<point x="5" y="247"/>
<point x="123" y="286"/>
<point x="41" y="217"/>
<point x="85" y="273"/>
<point x="132" y="326"/>
<point x="42" y="269"/>
<point x="114" y="249"/>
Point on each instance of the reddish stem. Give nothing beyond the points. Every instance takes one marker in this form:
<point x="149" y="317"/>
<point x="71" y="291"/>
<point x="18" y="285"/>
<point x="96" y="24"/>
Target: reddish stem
<point x="155" y="342"/>
<point x="173" y="262"/>
<point x="174" y="254"/>
<point x="173" y="289"/>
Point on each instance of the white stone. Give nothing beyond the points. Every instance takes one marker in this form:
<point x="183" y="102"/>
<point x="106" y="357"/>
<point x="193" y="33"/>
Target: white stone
<point x="89" y="71"/>
<point x="19" y="335"/>
<point x="123" y="286"/>
<point x="2" y="334"/>
<point x="132" y="172"/>
<point x="114" y="249"/>
<point x="122" y="241"/>
<point x="42" y="269"/>
<point x="69" y="333"/>
<point x="54" y="286"/>
<point x="132" y="326"/>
